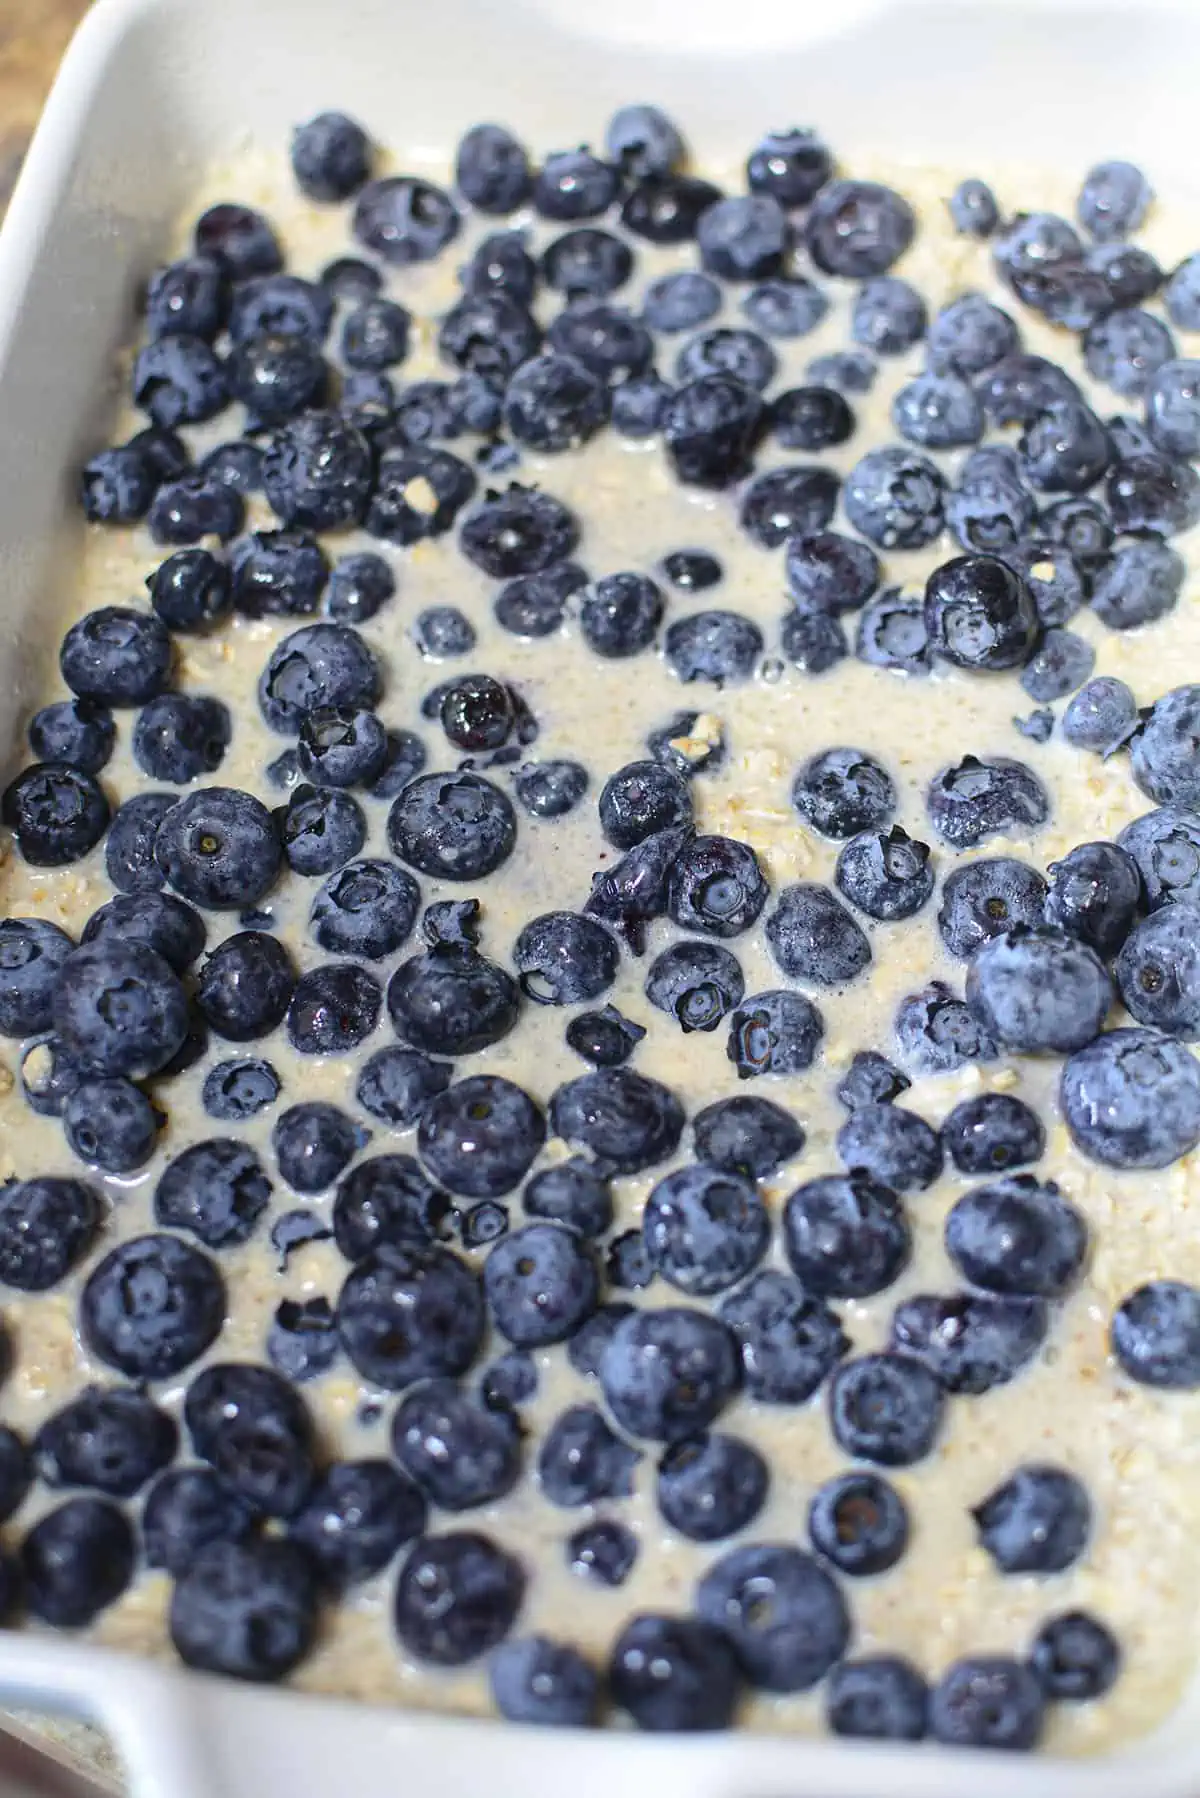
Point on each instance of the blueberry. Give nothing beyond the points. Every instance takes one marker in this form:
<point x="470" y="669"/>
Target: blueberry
<point x="191" y="590"/>
<point x="634" y="890"/>
<point x="476" y="711"/>
<point x="534" y="605"/>
<point x="1032" y="242"/>
<point x="396" y="1084"/>
<point x="1182" y="295"/>
<point x="812" y="936"/>
<point x="489" y="334"/>
<point x="847" y="371"/>
<point x="186" y="298"/>
<point x="858" y="228"/>
<point x="710" y="428"/>
<point x="294" y="1230"/>
<point x="1127" y="349"/>
<point x="788" y="503"/>
<point x="1157" y="973"/>
<point x="550" y="789"/>
<point x="400" y="509"/>
<point x="574" y="184"/>
<point x="747" y="1136"/>
<point x="1166" y="847"/>
<point x="195" y="506"/>
<point x="980" y="614"/>
<point x="111" y="1125"/>
<point x="386" y="1199"/>
<point x="1017" y="1236"/>
<point x="894" y="497"/>
<point x="185" y="1510"/>
<point x="743" y="238"/>
<point x="116" y="656"/>
<point x="786" y="308"/>
<point x="520" y="532"/>
<point x="110" y="1439"/>
<point x="993" y="1133"/>
<point x="893" y="1146"/>
<point x="1130" y="273"/>
<point x="317" y="473"/>
<point x="627" y="1265"/>
<point x="276" y="376"/>
<point x="236" y="464"/>
<point x="586" y="263"/>
<point x="119" y="1009"/>
<point x="1095" y="893"/>
<point x="885" y="1408"/>
<point x="554" y="403"/>
<point x="1075" y="1657"/>
<point x="32" y="954"/>
<point x="179" y="737"/>
<point x="219" y="849"/>
<point x="1061" y="663"/>
<point x="711" y="1486"/>
<point x="716" y="886"/>
<point x="990" y="511"/>
<point x="970" y="1341"/>
<point x="403" y="219"/>
<point x="76" y="1561"/>
<point x="602" y="1551"/>
<point x="1163" y="753"/>
<point x="452" y="1001"/>
<point x="889" y="316"/>
<point x="724" y="351"/>
<point x="16" y="1471"/>
<point x="713" y="646"/>
<point x="354" y="1520"/>
<point x="667" y="1373"/>
<point x="626" y="1120"/>
<point x="620" y="614"/>
<point x="581" y="1460"/>
<point x="536" y="1680"/>
<point x="880" y="1698"/>
<point x="1113" y="200"/>
<point x="830" y="573"/>
<point x="987" y="1702"/>
<point x="360" y="585"/>
<point x="1039" y="989"/>
<point x="459" y="1453"/>
<point x="451" y="923"/>
<point x="540" y="1283"/>
<point x="870" y="1080"/>
<point x="442" y="631"/>
<point x="282" y="305"/>
<point x="248" y="1609"/>
<point x="1173" y="407"/>
<point x="1132" y="1099"/>
<point x="790" y="165"/>
<point x="680" y="301"/>
<point x="781" y="1611"/>
<point x="341" y="746"/>
<point x="236" y="1090"/>
<point x="968" y="336"/>
<point x="333" y="1009"/>
<point x="643" y="141"/>
<point x="789" y="1341"/>
<point x="985" y="898"/>
<point x="844" y="792"/>
<point x="367" y="909"/>
<point x="674" y="1674"/>
<point x="151" y="1307"/>
<point x="938" y="412"/>
<point x="572" y="1193"/>
<point x="562" y="958"/>
<point x="321" y="829"/>
<point x="1148" y="492"/>
<point x="239" y="239"/>
<point x="248" y="1423"/>
<point x="281" y="574"/>
<point x="313" y="1144"/>
<point x="179" y="379"/>
<point x="216" y="1189"/>
<point x="665" y="209"/>
<point x="452" y="826"/>
<point x="456" y="1598"/>
<point x="891" y="633"/>
<point x="1066" y="449"/>
<point x="696" y="983"/>
<point x="1036" y="1522"/>
<point x="77" y="732"/>
<point x="117" y="485"/>
<point x="975" y="799"/>
<point x="846" y="1235"/>
<point x="937" y="1033"/>
<point x="810" y="418"/>
<point x="604" y="1038"/>
<point x="480" y="1136"/>
<point x="975" y="213"/>
<point x="705" y="1229"/>
<point x="491" y="169"/>
<point x="638" y="405"/>
<point x="859" y="1522"/>
<point x="885" y="874"/>
<point x="1101" y="717"/>
<point x="510" y="1381"/>
<point x="1155" y="1335"/>
<point x="48" y="1076"/>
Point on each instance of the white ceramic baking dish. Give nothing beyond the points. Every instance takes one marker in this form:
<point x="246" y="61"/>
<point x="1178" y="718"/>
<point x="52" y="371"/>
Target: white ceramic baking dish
<point x="151" y="91"/>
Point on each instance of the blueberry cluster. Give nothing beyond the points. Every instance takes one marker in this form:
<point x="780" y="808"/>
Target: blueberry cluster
<point x="259" y="1530"/>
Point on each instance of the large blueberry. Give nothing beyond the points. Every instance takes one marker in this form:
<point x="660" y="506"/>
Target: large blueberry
<point x="1017" y="1236"/>
<point x="481" y="1135"/>
<point x="452" y="1001"/>
<point x="1131" y="1098"/>
<point x="456" y="1598"/>
<point x="151" y="1307"/>
<point x="814" y="938"/>
<point x="219" y="848"/>
<point x="674" y="1674"/>
<point x="782" y="1612"/>
<point x="668" y="1373"/>
<point x="705" y="1229"/>
<point x="460" y="1453"/>
<point x="541" y="1284"/>
<point x="1038" y="990"/>
<point x="886" y="1408"/>
<point x="452" y="826"/>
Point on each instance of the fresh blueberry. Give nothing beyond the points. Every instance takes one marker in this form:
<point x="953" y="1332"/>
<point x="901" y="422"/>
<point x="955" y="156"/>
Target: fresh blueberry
<point x="541" y="1284"/>
<point x="333" y="1009"/>
<point x="550" y="789"/>
<point x="879" y="1698"/>
<point x="841" y="792"/>
<point x="187" y="298"/>
<point x="313" y="1144"/>
<point x="239" y="239"/>
<point x="534" y="605"/>
<point x="1101" y="717"/>
<point x="1066" y="449"/>
<point x="151" y="1307"/>
<point x="456" y="1598"/>
<point x="990" y="511"/>
<point x="1173" y="407"/>
<point x="788" y="503"/>
<point x="1163" y="752"/>
<point x="938" y="412"/>
<point x="858" y="228"/>
<point x="553" y="403"/>
<point x="993" y="1133"/>
<point x="885" y="1408"/>
<point x="111" y="1125"/>
<point x="1075" y="1657"/>
<point x="626" y="1120"/>
<point x="747" y="1136"/>
<point x="987" y="1702"/>
<point x="117" y="485"/>
<point x="885" y="873"/>
<point x="520" y="532"/>
<point x="451" y="923"/>
<point x="386" y="1199"/>
<point x="491" y="170"/>
<point x="562" y="958"/>
<point x="859" y="1523"/>
<point x="510" y="1381"/>
<point x="811" y="418"/>
<point x="574" y="184"/>
<point x="789" y="1341"/>
<point x="179" y="379"/>
<point x="643" y="141"/>
<point x="980" y="614"/>
<point x="281" y="574"/>
<point x="279" y="305"/>
<point x="317" y="474"/>
<point x="721" y="647"/>
<point x="604" y="1038"/>
<point x="48" y="1076"/>
<point x="1157" y="972"/>
<point x="711" y="1486"/>
<point x="1017" y="1236"/>
<point x="846" y="1235"/>
<point x="356" y="1517"/>
<point x="341" y="746"/>
<point x="483" y="1224"/>
<point x="1131" y="1098"/>
<point x="195" y="506"/>
<point x="696" y="983"/>
<point x="969" y="336"/>
<point x="1036" y="1522"/>
<point x="16" y="1471"/>
<point x="403" y="219"/>
<point x="460" y="1453"/>
<point x="743" y="238"/>
<point x="781" y="1611"/>
<point x="937" y="1033"/>
<point x="111" y="1439"/>
<point x="790" y="165"/>
<point x="975" y="799"/>
<point x="667" y="1373"/>
<point x="1038" y="989"/>
<point x="1127" y="349"/>
<point x="248" y="1609"/>
<point x="710" y="428"/>
<point x="217" y="1190"/>
<point x="1182" y="295"/>
<point x="443" y="631"/>
<point x="812" y="936"/>
<point x="116" y="656"/>
<point x="535" y="1680"/>
<point x="236" y="1090"/>
<point x="639" y="403"/>
<point x="680" y="301"/>
<point x="400" y="509"/>
<point x="191" y="590"/>
<point x="396" y="1084"/>
<point x="321" y="829"/>
<point x="848" y="371"/>
<point x="975" y="213"/>
<point x="76" y="1561"/>
<point x="586" y="263"/>
<point x="480" y="1136"/>
<point x="970" y="1341"/>
<point x="895" y="1147"/>
<point x="452" y="826"/>
<point x="77" y="732"/>
<point x="691" y="743"/>
<point x="32" y="954"/>
<point x="1166" y="848"/>
<point x="367" y="909"/>
<point x="889" y="316"/>
<point x="581" y="1460"/>
<point x="316" y="666"/>
<point x="627" y="1265"/>
<point x="870" y="1080"/>
<point x="666" y="209"/>
<point x="1113" y="200"/>
<point x="248" y="1423"/>
<point x="359" y="586"/>
<point x="716" y="886"/>
<point x="1095" y="893"/>
<point x="180" y="737"/>
<point x="705" y="1229"/>
<point x="830" y="573"/>
<point x="1149" y="492"/>
<point x="119" y="1009"/>
<point x="1155" y="1335"/>
<point x="586" y="1347"/>
<point x="185" y="1510"/>
<point x="894" y="497"/>
<point x="1019" y="388"/>
<point x="674" y="1674"/>
<point x="219" y="848"/>
<point x="275" y="376"/>
<point x="489" y="335"/>
<point x="452" y="1001"/>
<point x="725" y="351"/>
<point x="476" y="711"/>
<point x="236" y="464"/>
<point x="987" y="897"/>
<point x="620" y="614"/>
<point x="1061" y="663"/>
<point x="573" y="1193"/>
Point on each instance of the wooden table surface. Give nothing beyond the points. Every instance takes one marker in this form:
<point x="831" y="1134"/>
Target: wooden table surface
<point x="33" y="36"/>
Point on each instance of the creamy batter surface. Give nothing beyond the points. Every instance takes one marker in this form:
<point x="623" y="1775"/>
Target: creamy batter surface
<point x="1135" y="1449"/>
